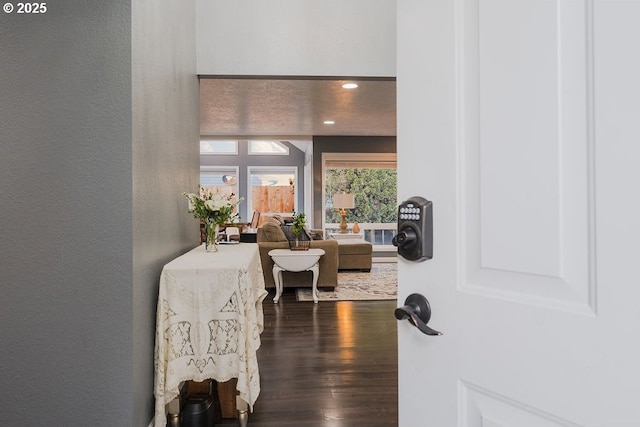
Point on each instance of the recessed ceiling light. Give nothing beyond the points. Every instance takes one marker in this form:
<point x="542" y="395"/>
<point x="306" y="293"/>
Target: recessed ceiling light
<point x="350" y="85"/>
<point x="329" y="122"/>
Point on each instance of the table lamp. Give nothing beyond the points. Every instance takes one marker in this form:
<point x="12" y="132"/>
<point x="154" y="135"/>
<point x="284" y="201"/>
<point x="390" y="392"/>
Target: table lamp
<point x="343" y="201"/>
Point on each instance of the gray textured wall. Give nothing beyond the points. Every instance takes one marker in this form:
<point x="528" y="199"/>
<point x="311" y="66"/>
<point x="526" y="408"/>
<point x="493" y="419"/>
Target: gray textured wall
<point x="66" y="209"/>
<point x="166" y="135"/>
<point x="90" y="204"/>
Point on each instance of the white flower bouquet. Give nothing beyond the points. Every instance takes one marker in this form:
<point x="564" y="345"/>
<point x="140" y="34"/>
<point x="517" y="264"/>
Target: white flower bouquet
<point x="214" y="210"/>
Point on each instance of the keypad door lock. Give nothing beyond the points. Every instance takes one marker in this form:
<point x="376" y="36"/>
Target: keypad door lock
<point x="415" y="229"/>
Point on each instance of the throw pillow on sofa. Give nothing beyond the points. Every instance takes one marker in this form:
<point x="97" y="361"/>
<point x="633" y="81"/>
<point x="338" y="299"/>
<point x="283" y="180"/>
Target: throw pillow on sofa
<point x="272" y="230"/>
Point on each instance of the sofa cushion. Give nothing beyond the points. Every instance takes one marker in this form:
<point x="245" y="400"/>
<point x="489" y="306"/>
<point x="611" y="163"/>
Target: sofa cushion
<point x="354" y="247"/>
<point x="272" y="231"/>
<point x="354" y="254"/>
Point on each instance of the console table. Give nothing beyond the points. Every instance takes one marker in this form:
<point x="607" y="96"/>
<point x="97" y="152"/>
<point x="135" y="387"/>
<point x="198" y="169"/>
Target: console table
<point x="209" y="321"/>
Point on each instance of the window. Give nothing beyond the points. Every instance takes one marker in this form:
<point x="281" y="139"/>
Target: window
<point x="218" y="146"/>
<point x="272" y="190"/>
<point x="221" y="180"/>
<point x="372" y="179"/>
<point x="272" y="148"/>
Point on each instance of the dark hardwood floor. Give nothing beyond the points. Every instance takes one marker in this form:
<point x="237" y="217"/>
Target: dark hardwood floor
<point x="331" y="364"/>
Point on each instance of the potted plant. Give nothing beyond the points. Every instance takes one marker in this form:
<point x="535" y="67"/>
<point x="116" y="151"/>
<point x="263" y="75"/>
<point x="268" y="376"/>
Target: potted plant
<point x="297" y="228"/>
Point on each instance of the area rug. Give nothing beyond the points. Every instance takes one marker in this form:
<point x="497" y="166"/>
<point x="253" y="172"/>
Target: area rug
<point x="379" y="284"/>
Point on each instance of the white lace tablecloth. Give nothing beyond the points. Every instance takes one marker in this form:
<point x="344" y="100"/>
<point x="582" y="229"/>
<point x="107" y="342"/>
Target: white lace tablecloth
<point x="209" y="321"/>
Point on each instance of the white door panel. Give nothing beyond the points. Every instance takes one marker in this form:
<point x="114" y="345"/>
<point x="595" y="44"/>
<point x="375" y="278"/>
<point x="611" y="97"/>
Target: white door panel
<point x="527" y="148"/>
<point x="519" y="121"/>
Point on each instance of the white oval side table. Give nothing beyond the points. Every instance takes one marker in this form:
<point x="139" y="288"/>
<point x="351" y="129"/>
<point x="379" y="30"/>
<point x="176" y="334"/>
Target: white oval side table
<point x="288" y="260"/>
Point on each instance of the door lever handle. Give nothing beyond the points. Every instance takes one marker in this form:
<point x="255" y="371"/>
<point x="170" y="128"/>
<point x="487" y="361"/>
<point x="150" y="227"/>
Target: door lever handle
<point x="417" y="311"/>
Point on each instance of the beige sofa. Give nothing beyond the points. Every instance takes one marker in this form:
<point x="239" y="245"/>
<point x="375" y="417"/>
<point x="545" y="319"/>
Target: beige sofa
<point x="354" y="255"/>
<point x="269" y="238"/>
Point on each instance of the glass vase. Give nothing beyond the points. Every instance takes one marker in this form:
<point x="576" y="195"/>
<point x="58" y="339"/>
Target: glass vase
<point x="211" y="236"/>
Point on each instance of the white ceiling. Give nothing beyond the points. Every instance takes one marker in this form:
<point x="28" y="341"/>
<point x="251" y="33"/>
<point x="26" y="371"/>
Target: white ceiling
<point x="291" y="108"/>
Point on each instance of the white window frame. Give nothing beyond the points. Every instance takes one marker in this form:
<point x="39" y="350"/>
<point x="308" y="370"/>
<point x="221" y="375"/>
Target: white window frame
<point x="283" y="169"/>
<point x="355" y="160"/>
<point x="211" y="153"/>
<point x="254" y="153"/>
<point x="236" y="169"/>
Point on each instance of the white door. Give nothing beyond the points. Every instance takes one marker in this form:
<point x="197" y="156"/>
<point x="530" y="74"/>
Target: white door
<point x="520" y="121"/>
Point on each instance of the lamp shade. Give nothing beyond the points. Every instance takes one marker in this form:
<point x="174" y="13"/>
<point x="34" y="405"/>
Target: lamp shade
<point x="343" y="201"/>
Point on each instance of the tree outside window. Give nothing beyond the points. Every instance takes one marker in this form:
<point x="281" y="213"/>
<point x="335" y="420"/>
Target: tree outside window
<point x="374" y="190"/>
